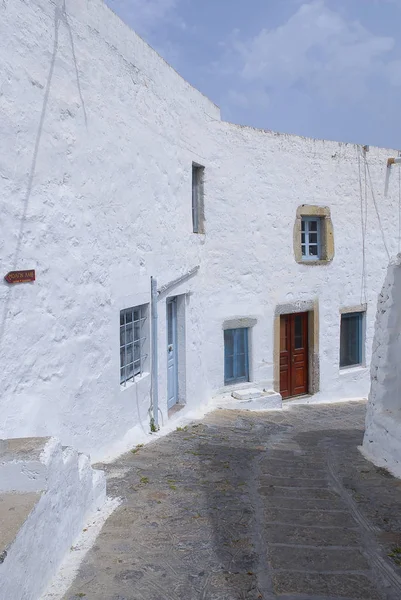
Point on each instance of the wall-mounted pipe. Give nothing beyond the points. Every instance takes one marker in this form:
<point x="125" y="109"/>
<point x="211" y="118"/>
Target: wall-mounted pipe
<point x="154" y="354"/>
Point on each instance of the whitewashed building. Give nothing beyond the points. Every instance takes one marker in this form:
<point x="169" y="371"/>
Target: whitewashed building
<point x="113" y="171"/>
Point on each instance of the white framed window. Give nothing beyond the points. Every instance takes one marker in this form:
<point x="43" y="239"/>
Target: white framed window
<point x="133" y="342"/>
<point x="311" y="238"/>
<point x="198" y="225"/>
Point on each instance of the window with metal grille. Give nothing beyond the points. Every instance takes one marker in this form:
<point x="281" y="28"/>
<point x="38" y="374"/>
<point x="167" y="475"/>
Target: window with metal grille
<point x="133" y="336"/>
<point x="311" y="242"/>
<point x="351" y="339"/>
<point x="197" y="199"/>
<point x="236" y="359"/>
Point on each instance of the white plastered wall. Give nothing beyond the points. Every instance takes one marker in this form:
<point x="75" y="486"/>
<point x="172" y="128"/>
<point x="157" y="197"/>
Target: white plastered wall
<point x="97" y="134"/>
<point x="98" y="138"/>
<point x="382" y="440"/>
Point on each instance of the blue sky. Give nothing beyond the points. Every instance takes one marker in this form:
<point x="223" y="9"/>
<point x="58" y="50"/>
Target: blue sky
<point x="320" y="68"/>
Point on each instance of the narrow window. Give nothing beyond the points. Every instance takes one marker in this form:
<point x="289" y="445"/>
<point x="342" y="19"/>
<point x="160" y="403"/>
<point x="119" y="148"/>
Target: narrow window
<point x="236" y="360"/>
<point x="351" y="339"/>
<point x="133" y="336"/>
<point x="311" y="244"/>
<point x="197" y="199"/>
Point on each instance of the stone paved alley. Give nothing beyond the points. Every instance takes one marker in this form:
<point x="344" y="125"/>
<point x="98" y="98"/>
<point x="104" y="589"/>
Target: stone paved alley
<point x="250" y="506"/>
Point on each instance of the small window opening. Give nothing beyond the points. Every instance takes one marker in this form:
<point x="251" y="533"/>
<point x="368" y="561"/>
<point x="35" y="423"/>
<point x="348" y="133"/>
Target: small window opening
<point x="197" y="199"/>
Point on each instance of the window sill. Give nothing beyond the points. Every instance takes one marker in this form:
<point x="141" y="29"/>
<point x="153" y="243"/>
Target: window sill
<point x="131" y="384"/>
<point x="354" y="369"/>
<point x="312" y="263"/>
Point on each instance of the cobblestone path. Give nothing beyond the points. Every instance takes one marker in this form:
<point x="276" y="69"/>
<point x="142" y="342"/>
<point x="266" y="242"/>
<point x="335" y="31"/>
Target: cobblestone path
<point x="250" y="506"/>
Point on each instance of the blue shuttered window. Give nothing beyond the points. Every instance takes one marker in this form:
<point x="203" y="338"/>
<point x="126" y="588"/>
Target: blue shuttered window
<point x="236" y="360"/>
<point x="311" y="235"/>
<point x="351" y="339"/>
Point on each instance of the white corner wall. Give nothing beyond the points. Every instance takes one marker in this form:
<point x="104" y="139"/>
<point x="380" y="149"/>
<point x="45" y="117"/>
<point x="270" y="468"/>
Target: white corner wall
<point x="98" y="138"/>
<point x="382" y="439"/>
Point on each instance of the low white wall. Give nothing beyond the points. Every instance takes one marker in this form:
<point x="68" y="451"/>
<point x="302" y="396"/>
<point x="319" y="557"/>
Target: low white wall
<point x="72" y="491"/>
<point x="382" y="440"/>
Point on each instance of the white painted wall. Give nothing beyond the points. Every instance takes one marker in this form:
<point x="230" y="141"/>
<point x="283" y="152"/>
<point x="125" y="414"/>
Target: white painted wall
<point x="261" y="180"/>
<point x="98" y="137"/>
<point x="382" y="440"/>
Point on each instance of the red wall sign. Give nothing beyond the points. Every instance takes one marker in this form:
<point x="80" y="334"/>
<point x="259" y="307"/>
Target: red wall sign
<point x="20" y="276"/>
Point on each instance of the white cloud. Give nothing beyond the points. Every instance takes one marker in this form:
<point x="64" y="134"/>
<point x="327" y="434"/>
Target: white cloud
<point x="317" y="52"/>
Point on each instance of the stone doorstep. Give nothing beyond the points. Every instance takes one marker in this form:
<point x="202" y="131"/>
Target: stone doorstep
<point x="252" y="399"/>
<point x="15" y="508"/>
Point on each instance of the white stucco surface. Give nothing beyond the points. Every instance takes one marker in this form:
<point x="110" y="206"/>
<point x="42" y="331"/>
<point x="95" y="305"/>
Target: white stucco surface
<point x="382" y="439"/>
<point x="71" y="492"/>
<point x="98" y="138"/>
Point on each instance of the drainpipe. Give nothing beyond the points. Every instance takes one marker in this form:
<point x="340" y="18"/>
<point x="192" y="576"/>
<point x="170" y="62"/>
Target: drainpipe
<point x="154" y="361"/>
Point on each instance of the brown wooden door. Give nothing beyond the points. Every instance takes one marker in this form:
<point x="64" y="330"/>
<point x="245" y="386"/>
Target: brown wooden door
<point x="294" y="355"/>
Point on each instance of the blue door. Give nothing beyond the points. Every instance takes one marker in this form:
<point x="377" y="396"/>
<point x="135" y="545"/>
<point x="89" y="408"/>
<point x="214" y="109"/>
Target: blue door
<point x="236" y="362"/>
<point x="172" y="353"/>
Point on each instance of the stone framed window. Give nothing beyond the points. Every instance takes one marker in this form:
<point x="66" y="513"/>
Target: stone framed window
<point x="313" y="235"/>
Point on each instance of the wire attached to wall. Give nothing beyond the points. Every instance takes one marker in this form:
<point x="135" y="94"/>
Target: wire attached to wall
<point x="377" y="210"/>
<point x="364" y="218"/>
<point x="399" y="211"/>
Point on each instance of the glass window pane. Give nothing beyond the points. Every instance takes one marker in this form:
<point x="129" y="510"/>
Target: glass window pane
<point x="128" y="316"/>
<point x="122" y="357"/>
<point x="303" y="225"/>
<point x="129" y="371"/>
<point x="241" y="334"/>
<point x="313" y="250"/>
<point x="228" y="355"/>
<point x="137" y="351"/>
<point x="312" y="225"/>
<point x="303" y="250"/>
<point x="128" y="334"/>
<point x="240" y="366"/>
<point x="313" y="238"/>
<point x="122" y="375"/>
<point x="137" y="330"/>
<point x="302" y="238"/>
<point x="169" y="323"/>
<point x="298" y="332"/>
<point x="229" y="342"/>
<point x="130" y="354"/>
<point x="122" y="336"/>
<point x="350" y="340"/>
<point x="121" y="317"/>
